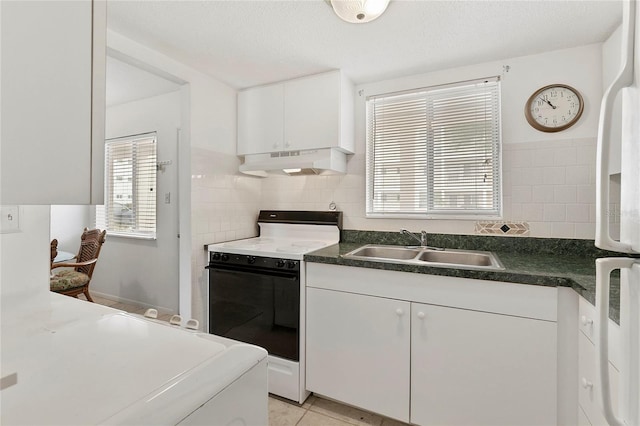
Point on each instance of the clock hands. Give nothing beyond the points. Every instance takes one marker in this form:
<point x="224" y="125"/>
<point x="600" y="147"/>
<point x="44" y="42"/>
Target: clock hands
<point x="550" y="104"/>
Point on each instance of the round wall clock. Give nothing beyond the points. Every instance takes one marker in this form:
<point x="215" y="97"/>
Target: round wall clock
<point x="554" y="108"/>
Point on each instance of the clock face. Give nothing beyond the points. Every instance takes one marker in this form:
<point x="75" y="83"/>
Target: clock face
<point x="554" y="108"/>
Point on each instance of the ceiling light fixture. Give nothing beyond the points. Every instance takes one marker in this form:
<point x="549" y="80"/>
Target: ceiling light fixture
<point x="359" y="11"/>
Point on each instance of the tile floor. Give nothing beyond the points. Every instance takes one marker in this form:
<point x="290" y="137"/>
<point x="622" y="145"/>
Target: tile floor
<point x="321" y="412"/>
<point x="314" y="412"/>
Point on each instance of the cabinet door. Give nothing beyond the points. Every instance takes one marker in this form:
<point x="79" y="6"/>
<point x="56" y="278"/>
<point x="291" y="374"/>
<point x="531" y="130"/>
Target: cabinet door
<point x="478" y="368"/>
<point x="47" y="111"/>
<point x="260" y="120"/>
<point x="358" y="350"/>
<point x="312" y="112"/>
<point x="588" y="393"/>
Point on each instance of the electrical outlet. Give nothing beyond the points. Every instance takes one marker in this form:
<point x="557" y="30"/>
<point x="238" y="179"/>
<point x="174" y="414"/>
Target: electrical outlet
<point x="167" y="198"/>
<point x="9" y="219"/>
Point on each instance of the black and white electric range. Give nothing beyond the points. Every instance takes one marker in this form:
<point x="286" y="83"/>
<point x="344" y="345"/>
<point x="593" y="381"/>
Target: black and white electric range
<point x="257" y="290"/>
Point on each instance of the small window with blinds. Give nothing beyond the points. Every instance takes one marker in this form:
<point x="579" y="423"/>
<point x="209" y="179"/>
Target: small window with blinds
<point x="130" y="187"/>
<point x="435" y="152"/>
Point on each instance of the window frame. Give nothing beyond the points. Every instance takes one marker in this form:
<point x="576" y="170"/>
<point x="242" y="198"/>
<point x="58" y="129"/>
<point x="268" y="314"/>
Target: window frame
<point x="474" y="214"/>
<point x="101" y="211"/>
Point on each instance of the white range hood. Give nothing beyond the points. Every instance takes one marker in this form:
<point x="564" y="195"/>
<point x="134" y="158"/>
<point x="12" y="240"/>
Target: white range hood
<point x="326" y="161"/>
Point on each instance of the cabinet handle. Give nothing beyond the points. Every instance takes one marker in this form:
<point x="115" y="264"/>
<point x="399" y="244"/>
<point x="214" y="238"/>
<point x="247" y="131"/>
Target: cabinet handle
<point x="421" y="315"/>
<point x="586" y="383"/>
<point x="399" y="312"/>
<point x="586" y="321"/>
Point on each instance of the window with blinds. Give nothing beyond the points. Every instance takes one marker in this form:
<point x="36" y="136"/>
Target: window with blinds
<point x="130" y="187"/>
<point x="435" y="152"/>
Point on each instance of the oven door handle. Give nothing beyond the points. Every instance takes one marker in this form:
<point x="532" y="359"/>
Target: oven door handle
<point x="254" y="271"/>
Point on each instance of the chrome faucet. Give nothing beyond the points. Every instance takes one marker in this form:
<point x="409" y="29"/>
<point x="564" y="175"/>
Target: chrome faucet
<point x="422" y="239"/>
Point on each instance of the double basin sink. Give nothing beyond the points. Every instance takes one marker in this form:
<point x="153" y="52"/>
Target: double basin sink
<point x="427" y="256"/>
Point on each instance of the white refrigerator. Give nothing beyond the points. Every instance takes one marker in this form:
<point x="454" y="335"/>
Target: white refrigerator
<point x="626" y="85"/>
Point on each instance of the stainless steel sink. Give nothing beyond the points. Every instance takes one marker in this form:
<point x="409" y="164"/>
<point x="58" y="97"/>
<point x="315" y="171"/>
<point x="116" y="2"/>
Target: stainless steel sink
<point x="445" y="258"/>
<point x="386" y="252"/>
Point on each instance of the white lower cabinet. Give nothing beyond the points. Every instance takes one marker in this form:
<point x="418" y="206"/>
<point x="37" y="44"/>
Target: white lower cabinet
<point x="426" y="363"/>
<point x="479" y="368"/>
<point x="358" y="350"/>
<point x="588" y="392"/>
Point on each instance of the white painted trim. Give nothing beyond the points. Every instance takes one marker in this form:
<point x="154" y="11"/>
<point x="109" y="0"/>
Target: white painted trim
<point x="161" y="309"/>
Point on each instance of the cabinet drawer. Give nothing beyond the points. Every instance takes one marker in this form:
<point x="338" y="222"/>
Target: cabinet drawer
<point x="587" y="394"/>
<point x="586" y="321"/>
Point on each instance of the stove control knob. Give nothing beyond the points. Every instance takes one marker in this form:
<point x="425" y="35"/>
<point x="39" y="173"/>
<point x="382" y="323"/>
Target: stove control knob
<point x="224" y="257"/>
<point x="251" y="260"/>
<point x="215" y="256"/>
<point x="280" y="263"/>
<point x="291" y="264"/>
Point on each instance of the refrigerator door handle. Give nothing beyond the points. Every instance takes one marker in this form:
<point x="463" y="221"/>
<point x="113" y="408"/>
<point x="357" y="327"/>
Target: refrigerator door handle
<point x="603" y="280"/>
<point x="623" y="79"/>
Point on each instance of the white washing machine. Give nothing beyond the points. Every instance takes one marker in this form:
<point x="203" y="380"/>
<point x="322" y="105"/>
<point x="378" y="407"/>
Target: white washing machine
<point x="78" y="363"/>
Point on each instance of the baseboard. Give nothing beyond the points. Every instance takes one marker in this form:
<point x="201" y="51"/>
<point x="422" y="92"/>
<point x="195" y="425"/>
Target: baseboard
<point x="161" y="309"/>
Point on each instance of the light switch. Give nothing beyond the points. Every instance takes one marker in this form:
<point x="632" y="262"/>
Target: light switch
<point x="167" y="198"/>
<point x="9" y="219"/>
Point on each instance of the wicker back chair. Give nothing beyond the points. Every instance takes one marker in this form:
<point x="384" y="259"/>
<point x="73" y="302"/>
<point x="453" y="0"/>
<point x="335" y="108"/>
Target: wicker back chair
<point x="72" y="282"/>
<point x="54" y="251"/>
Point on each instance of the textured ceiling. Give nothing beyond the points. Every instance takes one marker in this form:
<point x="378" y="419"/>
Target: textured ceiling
<point x="247" y="43"/>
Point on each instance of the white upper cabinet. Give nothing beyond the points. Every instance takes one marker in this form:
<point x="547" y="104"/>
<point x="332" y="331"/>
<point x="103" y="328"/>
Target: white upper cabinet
<point x="306" y="113"/>
<point x="52" y="112"/>
<point x="261" y="119"/>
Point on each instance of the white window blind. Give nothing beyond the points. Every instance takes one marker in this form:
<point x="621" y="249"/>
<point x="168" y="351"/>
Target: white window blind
<point x="435" y="152"/>
<point x="130" y="187"/>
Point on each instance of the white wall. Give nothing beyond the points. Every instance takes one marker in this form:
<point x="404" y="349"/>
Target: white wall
<point x="206" y="160"/>
<point x="146" y="271"/>
<point x="25" y="257"/>
<point x="67" y="224"/>
<point x="548" y="178"/>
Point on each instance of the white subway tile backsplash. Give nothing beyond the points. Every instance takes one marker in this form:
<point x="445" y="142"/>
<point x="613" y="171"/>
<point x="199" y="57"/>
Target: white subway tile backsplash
<point x="543" y="157"/>
<point x="544" y="183"/>
<point x="586" y="194"/>
<point x="578" y="175"/>
<point x="564" y="156"/>
<point x="586" y="155"/>
<point x="585" y="231"/>
<point x="578" y="213"/>
<point x="520" y="158"/>
<point x="540" y="229"/>
<point x="553" y="175"/>
<point x="532" y="212"/>
<point x="521" y="194"/>
<point x="542" y="194"/>
<point x="532" y="176"/>
<point x="555" y="212"/>
<point x="563" y="229"/>
<point x="564" y="194"/>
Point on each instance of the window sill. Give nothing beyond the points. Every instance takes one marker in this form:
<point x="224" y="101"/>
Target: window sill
<point x="473" y="217"/>
<point x="131" y="236"/>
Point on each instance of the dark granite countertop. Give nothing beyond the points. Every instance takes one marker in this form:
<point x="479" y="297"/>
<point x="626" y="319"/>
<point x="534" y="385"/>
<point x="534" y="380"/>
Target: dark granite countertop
<point x="558" y="264"/>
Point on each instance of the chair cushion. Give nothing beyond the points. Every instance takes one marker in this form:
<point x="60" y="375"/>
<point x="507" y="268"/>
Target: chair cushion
<point x="68" y="279"/>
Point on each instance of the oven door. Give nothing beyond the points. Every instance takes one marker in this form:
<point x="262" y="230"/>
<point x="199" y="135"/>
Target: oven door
<point x="261" y="307"/>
